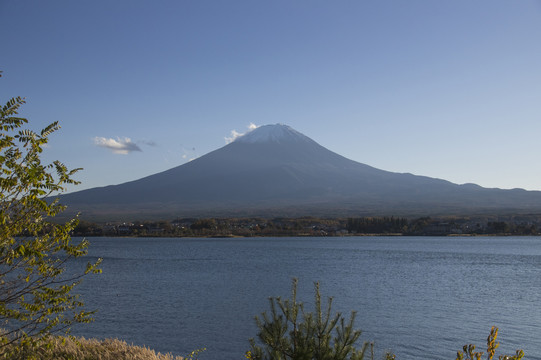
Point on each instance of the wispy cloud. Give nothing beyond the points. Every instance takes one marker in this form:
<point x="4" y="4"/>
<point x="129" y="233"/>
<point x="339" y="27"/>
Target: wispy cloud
<point x="235" y="134"/>
<point x="122" y="146"/>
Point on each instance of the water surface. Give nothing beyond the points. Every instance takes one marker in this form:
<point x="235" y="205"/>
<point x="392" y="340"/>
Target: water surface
<point x="418" y="296"/>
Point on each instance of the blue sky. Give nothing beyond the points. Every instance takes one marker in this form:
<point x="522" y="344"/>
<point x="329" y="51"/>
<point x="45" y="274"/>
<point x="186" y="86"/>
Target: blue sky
<point x="447" y="89"/>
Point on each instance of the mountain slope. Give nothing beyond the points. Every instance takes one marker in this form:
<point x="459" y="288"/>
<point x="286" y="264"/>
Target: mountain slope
<point x="275" y="170"/>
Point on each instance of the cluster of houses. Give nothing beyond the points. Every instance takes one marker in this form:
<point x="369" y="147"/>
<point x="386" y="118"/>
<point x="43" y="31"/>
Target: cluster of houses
<point x="525" y="225"/>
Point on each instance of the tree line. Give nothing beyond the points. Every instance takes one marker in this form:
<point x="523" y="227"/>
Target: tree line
<point x="314" y="226"/>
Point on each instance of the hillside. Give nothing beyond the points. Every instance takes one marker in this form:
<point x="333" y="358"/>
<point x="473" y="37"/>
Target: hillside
<point x="275" y="170"/>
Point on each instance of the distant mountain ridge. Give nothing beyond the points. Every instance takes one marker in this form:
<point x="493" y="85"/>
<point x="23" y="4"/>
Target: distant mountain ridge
<point x="275" y="170"/>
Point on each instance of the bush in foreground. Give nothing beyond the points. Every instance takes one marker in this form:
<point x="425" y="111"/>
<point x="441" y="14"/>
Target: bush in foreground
<point x="292" y="333"/>
<point x="492" y="345"/>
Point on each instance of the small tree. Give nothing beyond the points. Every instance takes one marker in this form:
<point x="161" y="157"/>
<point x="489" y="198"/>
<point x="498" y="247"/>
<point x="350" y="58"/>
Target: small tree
<point x="492" y="345"/>
<point x="291" y="333"/>
<point x="35" y="292"/>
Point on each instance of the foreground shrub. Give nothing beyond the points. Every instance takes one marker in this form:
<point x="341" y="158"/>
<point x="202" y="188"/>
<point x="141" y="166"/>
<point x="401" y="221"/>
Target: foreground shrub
<point x="492" y="345"/>
<point x="289" y="332"/>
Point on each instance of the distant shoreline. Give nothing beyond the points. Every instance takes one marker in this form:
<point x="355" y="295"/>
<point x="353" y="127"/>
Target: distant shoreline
<point x="523" y="225"/>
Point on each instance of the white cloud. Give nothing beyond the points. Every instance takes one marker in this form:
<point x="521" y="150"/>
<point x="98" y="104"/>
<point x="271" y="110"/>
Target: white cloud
<point x="119" y="145"/>
<point x="235" y="134"/>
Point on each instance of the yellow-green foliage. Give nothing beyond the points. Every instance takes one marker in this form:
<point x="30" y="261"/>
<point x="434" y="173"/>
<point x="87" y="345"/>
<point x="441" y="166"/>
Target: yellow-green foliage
<point x="36" y="297"/>
<point x="492" y="345"/>
<point x="71" y="348"/>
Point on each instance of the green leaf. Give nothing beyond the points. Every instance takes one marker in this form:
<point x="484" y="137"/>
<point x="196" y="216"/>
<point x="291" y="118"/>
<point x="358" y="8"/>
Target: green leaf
<point x="32" y="245"/>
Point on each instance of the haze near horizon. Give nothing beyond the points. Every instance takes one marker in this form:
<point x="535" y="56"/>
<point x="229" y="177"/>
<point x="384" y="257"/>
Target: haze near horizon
<point x="448" y="90"/>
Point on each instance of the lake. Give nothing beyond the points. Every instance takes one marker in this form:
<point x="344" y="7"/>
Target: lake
<point x="417" y="296"/>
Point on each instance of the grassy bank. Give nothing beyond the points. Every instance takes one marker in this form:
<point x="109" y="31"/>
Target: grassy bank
<point x="72" y="348"/>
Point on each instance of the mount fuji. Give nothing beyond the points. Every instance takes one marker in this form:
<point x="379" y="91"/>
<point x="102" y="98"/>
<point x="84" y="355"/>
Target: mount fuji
<point x="275" y="170"/>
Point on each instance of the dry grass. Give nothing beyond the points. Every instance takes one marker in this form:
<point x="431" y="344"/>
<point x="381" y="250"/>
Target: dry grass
<point x="71" y="348"/>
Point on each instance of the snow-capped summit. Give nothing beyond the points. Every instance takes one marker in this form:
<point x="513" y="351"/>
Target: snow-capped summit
<point x="278" y="133"/>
